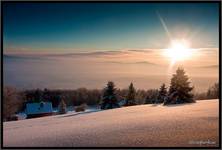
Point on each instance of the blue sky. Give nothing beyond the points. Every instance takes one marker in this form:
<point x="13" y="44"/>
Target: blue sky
<point x="71" y="27"/>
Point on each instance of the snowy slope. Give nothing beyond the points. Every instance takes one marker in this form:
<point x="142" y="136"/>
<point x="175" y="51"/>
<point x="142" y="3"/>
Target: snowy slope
<point x="144" y="125"/>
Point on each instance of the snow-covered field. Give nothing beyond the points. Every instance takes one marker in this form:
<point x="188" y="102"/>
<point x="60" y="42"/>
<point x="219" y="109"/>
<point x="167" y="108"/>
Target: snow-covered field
<point x="143" y="125"/>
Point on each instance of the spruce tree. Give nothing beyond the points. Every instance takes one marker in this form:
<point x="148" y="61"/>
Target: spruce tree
<point x="109" y="99"/>
<point x="45" y="95"/>
<point x="162" y="93"/>
<point x="130" y="99"/>
<point x="37" y="96"/>
<point x="62" y="107"/>
<point x="181" y="86"/>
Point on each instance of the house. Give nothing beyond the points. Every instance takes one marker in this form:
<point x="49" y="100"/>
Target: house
<point x="38" y="109"/>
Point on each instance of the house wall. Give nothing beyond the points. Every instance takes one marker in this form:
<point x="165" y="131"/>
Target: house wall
<point x="36" y="108"/>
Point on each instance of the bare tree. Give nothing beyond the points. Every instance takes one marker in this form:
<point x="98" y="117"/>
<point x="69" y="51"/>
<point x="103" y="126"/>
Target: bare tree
<point x="213" y="91"/>
<point x="12" y="102"/>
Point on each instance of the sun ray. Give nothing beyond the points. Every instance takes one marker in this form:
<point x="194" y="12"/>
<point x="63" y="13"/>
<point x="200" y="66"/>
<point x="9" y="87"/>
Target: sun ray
<point x="164" y="25"/>
<point x="169" y="70"/>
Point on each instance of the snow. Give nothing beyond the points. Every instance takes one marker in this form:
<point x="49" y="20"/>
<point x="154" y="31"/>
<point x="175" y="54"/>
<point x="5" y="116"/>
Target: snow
<point x="142" y="125"/>
<point x="21" y="115"/>
<point x="70" y="110"/>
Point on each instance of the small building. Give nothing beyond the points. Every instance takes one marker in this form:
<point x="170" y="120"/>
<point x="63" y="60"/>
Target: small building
<point x="38" y="109"/>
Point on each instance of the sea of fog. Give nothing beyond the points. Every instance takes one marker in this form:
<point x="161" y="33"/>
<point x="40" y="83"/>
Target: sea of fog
<point x="75" y="72"/>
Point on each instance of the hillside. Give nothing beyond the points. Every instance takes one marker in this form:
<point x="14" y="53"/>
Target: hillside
<point x="142" y="125"/>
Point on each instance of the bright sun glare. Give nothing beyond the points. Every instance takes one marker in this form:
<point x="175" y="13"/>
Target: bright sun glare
<point x="178" y="51"/>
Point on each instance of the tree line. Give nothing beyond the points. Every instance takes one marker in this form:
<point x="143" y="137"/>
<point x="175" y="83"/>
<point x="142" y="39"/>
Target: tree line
<point x="179" y="91"/>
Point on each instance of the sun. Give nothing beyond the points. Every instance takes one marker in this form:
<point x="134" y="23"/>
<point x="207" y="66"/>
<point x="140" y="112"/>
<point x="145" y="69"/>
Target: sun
<point x="178" y="51"/>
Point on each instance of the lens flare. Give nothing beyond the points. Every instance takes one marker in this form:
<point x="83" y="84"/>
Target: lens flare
<point x="178" y="51"/>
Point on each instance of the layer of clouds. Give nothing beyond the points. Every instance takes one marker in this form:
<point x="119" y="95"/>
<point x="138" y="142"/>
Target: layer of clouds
<point x="146" y="68"/>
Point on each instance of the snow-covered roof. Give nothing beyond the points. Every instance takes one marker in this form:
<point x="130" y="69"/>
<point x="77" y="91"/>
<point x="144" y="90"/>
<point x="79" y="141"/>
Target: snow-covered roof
<point x="39" y="108"/>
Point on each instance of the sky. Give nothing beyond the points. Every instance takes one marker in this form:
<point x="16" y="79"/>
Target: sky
<point x="73" y="45"/>
<point x="71" y="27"/>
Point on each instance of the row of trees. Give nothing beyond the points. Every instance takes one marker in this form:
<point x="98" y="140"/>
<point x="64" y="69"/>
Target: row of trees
<point x="212" y="93"/>
<point x="179" y="91"/>
<point x="71" y="97"/>
<point x="89" y="96"/>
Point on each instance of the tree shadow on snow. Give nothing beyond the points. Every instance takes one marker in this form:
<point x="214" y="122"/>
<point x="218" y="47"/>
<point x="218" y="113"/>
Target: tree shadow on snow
<point x="154" y="105"/>
<point x="79" y="113"/>
<point x="177" y="105"/>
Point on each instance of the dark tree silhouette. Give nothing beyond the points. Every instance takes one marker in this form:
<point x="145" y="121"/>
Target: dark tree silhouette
<point x="151" y="96"/>
<point x="130" y="99"/>
<point x="37" y="96"/>
<point x="109" y="99"/>
<point x="45" y="95"/>
<point x="180" y="89"/>
<point x="162" y="93"/>
<point x="62" y="107"/>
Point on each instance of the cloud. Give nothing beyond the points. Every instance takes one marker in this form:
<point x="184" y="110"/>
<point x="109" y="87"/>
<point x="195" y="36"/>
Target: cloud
<point x="210" y="67"/>
<point x="124" y="57"/>
<point x="208" y="50"/>
<point x="94" y="53"/>
<point x="137" y="62"/>
<point x="21" y="57"/>
<point x="142" y="50"/>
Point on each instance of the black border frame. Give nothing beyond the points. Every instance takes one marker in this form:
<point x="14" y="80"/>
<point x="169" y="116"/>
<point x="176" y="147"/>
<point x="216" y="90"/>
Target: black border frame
<point x="114" y="1"/>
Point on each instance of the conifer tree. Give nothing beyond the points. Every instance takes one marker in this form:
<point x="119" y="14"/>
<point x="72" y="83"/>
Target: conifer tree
<point x="181" y="86"/>
<point x="62" y="107"/>
<point x="162" y="93"/>
<point x="109" y="99"/>
<point x="130" y="99"/>
<point x="37" y="96"/>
